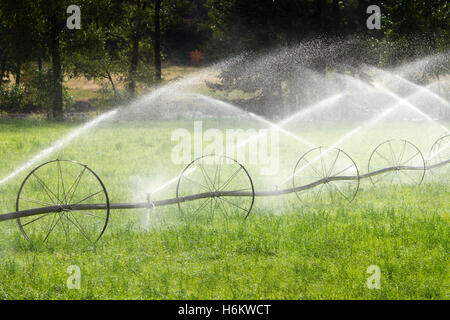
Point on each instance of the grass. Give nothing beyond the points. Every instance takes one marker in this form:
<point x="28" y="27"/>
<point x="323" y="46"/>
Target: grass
<point x="285" y="250"/>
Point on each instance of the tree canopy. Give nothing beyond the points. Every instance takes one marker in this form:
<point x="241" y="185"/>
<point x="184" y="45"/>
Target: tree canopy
<point x="128" y="40"/>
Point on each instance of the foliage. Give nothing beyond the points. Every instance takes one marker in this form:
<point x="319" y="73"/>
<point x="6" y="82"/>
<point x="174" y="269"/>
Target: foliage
<point x="35" y="93"/>
<point x="121" y="41"/>
<point x="13" y="98"/>
<point x="39" y="91"/>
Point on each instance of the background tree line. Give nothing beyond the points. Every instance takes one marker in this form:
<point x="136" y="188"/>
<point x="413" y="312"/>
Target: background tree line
<point x="127" y="41"/>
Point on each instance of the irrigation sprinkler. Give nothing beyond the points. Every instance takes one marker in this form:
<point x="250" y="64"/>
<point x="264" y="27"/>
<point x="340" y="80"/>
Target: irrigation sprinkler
<point x="401" y="155"/>
<point x="50" y="197"/>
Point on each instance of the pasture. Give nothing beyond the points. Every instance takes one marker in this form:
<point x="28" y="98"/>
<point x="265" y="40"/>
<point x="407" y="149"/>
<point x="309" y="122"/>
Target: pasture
<point x="285" y="249"/>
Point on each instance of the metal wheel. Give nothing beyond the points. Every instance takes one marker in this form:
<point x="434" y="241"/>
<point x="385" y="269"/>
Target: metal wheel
<point x="439" y="153"/>
<point x="325" y="174"/>
<point x="63" y="182"/>
<point x="404" y="158"/>
<point x="224" y="186"/>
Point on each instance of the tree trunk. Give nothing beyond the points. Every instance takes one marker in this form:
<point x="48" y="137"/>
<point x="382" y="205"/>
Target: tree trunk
<point x="157" y="40"/>
<point x="280" y="99"/>
<point x="362" y="15"/>
<point x="57" y="107"/>
<point x="3" y="68"/>
<point x="111" y="81"/>
<point x="134" y="64"/>
<point x="17" y="76"/>
<point x="39" y="63"/>
<point x="337" y="18"/>
<point x="320" y="15"/>
<point x="292" y="96"/>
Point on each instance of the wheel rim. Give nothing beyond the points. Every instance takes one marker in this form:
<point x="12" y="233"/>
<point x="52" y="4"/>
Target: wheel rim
<point x="212" y="173"/>
<point x="400" y="154"/>
<point x="57" y="183"/>
<point x="335" y="168"/>
<point x="440" y="152"/>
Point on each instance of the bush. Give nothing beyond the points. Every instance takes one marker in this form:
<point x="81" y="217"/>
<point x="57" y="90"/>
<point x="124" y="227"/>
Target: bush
<point x="13" y="98"/>
<point x="34" y="96"/>
<point x="39" y="91"/>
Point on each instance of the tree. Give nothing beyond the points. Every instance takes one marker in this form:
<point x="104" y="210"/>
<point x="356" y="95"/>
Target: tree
<point x="415" y="28"/>
<point x="157" y="39"/>
<point x="143" y="25"/>
<point x="49" y="27"/>
<point x="16" y="20"/>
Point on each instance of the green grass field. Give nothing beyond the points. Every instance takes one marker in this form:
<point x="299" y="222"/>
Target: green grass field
<point x="284" y="250"/>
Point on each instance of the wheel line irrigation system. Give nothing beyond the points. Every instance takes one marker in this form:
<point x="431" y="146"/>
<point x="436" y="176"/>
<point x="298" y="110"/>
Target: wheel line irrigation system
<point x="62" y="207"/>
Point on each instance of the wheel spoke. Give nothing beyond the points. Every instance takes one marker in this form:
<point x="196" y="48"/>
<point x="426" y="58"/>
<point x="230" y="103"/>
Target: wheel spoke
<point x="29" y="222"/>
<point x="77" y="181"/>
<point x="46" y="189"/>
<point x="319" y="192"/>
<point x="393" y="173"/>
<point x="339" y="190"/>
<point x="219" y="173"/>
<point x="192" y="181"/>
<point x="215" y="177"/>
<point x="53" y="225"/>
<point x="225" y="212"/>
<point x="211" y="212"/>
<point x="88" y="214"/>
<point x="37" y="201"/>
<point x="334" y="163"/>
<point x="324" y="172"/>
<point x="417" y="153"/>
<point x="230" y="179"/>
<point x="337" y="174"/>
<point x="207" y="175"/>
<point x="202" y="205"/>
<point x="88" y="197"/>
<point x="394" y="159"/>
<point x="330" y="191"/>
<point x="233" y="204"/>
<point x="312" y="167"/>
<point x="408" y="176"/>
<point x="57" y="183"/>
<point x="62" y="184"/>
<point x="77" y="224"/>
<point x="64" y="226"/>
<point x="388" y="161"/>
<point x="402" y="153"/>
